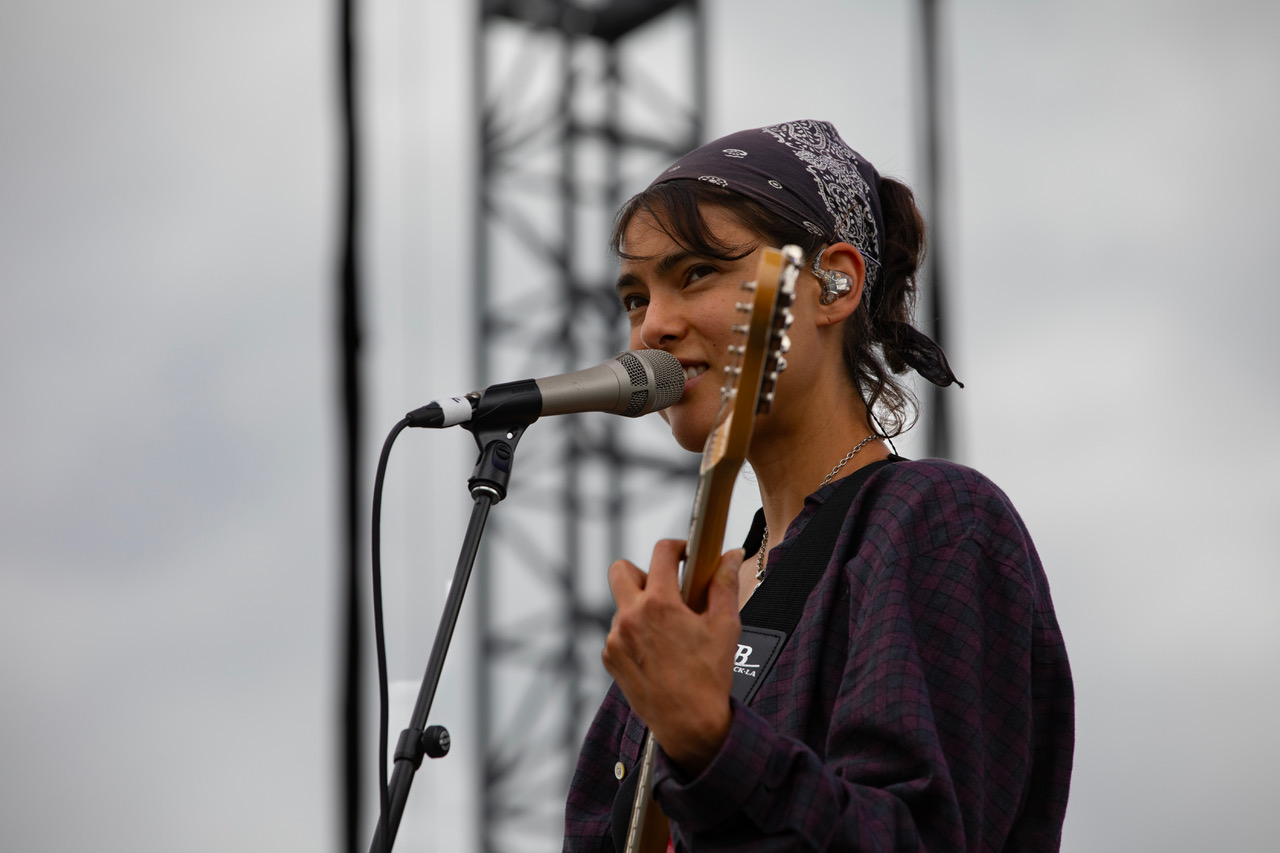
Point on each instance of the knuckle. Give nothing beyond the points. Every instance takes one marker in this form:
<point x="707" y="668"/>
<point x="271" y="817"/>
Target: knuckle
<point x="623" y="628"/>
<point x="614" y="648"/>
<point x="610" y="662"/>
<point x="650" y="610"/>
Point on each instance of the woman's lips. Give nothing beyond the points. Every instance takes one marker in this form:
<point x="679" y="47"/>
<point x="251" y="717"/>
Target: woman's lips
<point x="693" y="373"/>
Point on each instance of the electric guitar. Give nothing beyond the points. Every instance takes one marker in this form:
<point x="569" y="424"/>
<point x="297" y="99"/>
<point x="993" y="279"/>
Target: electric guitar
<point x="748" y="390"/>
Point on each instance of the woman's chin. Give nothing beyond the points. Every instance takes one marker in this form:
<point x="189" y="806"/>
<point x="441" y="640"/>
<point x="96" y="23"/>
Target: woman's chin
<point x="688" y="433"/>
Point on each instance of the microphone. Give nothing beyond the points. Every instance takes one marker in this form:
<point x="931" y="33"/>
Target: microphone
<point x="629" y="384"/>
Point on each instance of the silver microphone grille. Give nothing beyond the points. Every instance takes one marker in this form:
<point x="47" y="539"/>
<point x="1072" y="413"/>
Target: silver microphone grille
<point x="657" y="380"/>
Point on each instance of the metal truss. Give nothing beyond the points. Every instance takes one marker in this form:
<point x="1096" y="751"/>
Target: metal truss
<point x="580" y="104"/>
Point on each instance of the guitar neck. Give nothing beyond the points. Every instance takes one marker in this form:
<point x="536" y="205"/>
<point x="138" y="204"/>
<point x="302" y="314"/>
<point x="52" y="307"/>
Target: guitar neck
<point x="706" y="531"/>
<point x="648" y="830"/>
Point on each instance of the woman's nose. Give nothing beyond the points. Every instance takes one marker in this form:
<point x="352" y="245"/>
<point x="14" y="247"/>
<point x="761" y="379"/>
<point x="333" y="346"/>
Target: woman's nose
<point x="663" y="323"/>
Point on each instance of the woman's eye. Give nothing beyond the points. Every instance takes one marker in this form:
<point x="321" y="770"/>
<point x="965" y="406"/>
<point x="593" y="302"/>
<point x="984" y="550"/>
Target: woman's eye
<point x="699" y="272"/>
<point x="632" y="301"/>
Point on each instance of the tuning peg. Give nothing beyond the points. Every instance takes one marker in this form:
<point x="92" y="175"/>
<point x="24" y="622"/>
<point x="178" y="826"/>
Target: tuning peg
<point x="741" y="329"/>
<point x="782" y="365"/>
<point x="737" y="349"/>
<point x="742" y="307"/>
<point x="749" y="285"/>
<point x="731" y="370"/>
<point x="784" y="345"/>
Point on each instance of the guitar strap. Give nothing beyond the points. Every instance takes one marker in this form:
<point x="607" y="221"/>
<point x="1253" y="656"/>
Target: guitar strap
<point x="774" y="610"/>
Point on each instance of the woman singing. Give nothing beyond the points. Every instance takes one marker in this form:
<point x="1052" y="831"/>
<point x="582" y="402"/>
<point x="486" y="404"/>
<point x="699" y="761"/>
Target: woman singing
<point x="921" y="697"/>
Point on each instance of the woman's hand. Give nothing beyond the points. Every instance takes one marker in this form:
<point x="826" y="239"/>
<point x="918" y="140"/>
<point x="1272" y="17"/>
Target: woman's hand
<point x="674" y="665"/>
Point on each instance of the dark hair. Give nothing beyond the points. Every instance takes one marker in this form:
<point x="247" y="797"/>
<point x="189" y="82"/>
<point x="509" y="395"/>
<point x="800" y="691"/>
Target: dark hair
<point x="871" y="338"/>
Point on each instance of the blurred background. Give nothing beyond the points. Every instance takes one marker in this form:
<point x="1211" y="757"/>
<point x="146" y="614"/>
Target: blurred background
<point x="170" y="573"/>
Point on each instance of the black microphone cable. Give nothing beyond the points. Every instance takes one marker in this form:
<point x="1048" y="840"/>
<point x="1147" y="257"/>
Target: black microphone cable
<point x="379" y="633"/>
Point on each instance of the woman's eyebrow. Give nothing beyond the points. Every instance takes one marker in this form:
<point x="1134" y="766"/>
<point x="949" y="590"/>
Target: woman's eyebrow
<point x="669" y="262"/>
<point x="625" y="281"/>
<point x="664" y="265"/>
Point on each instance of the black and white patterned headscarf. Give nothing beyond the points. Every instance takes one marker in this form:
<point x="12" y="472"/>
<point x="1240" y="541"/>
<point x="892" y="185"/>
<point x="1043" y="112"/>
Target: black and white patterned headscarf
<point x="804" y="172"/>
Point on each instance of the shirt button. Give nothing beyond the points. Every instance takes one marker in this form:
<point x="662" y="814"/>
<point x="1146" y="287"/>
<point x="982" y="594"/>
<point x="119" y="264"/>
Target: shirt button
<point x="619" y="770"/>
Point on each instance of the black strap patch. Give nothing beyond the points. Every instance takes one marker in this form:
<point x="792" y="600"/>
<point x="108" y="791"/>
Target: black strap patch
<point x="758" y="649"/>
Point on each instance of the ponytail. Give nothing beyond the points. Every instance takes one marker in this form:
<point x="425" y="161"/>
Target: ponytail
<point x="878" y="338"/>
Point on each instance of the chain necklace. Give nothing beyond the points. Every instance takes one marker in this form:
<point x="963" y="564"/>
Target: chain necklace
<point x="765" y="541"/>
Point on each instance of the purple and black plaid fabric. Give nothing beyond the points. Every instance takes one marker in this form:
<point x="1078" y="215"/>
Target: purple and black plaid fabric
<point x="924" y="702"/>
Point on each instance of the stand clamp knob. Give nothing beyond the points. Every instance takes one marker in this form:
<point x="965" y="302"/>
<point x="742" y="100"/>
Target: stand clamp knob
<point x="413" y="744"/>
<point x="436" y="741"/>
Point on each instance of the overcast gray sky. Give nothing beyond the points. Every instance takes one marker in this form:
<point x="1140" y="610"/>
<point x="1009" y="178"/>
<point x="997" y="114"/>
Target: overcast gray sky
<point x="168" y="549"/>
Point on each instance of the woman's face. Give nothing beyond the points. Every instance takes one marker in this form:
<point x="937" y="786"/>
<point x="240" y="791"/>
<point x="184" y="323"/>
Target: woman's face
<point x="684" y="304"/>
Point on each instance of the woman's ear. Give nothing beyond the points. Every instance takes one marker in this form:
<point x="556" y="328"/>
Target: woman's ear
<point x="841" y="287"/>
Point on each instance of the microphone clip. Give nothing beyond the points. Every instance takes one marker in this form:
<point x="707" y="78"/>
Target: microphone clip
<point x="497" y="446"/>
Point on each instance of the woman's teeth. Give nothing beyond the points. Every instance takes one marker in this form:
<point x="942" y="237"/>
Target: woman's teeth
<point x="694" y="370"/>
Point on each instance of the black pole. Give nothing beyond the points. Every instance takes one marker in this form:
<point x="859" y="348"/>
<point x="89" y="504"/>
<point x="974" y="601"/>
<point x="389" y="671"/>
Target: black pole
<point x="935" y="268"/>
<point x="351" y="725"/>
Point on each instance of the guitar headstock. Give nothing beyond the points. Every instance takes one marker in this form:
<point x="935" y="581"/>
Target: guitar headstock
<point x="750" y="382"/>
<point x="779" y="343"/>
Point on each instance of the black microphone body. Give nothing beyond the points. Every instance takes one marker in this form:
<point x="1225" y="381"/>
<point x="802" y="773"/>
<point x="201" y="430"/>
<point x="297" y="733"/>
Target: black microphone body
<point x="629" y="384"/>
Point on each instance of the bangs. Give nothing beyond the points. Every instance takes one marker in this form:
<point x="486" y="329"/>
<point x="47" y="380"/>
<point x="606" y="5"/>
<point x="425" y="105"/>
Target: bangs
<point x="675" y="207"/>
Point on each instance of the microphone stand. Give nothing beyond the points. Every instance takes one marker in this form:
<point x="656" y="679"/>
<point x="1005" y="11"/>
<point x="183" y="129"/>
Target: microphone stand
<point x="488" y="486"/>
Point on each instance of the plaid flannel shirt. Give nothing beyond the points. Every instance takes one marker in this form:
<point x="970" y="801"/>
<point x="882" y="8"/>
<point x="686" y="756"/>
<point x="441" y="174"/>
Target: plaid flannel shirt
<point x="924" y="701"/>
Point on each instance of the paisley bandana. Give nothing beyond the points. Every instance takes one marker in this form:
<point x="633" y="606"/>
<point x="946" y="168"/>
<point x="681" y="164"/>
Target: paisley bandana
<point x="804" y="172"/>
